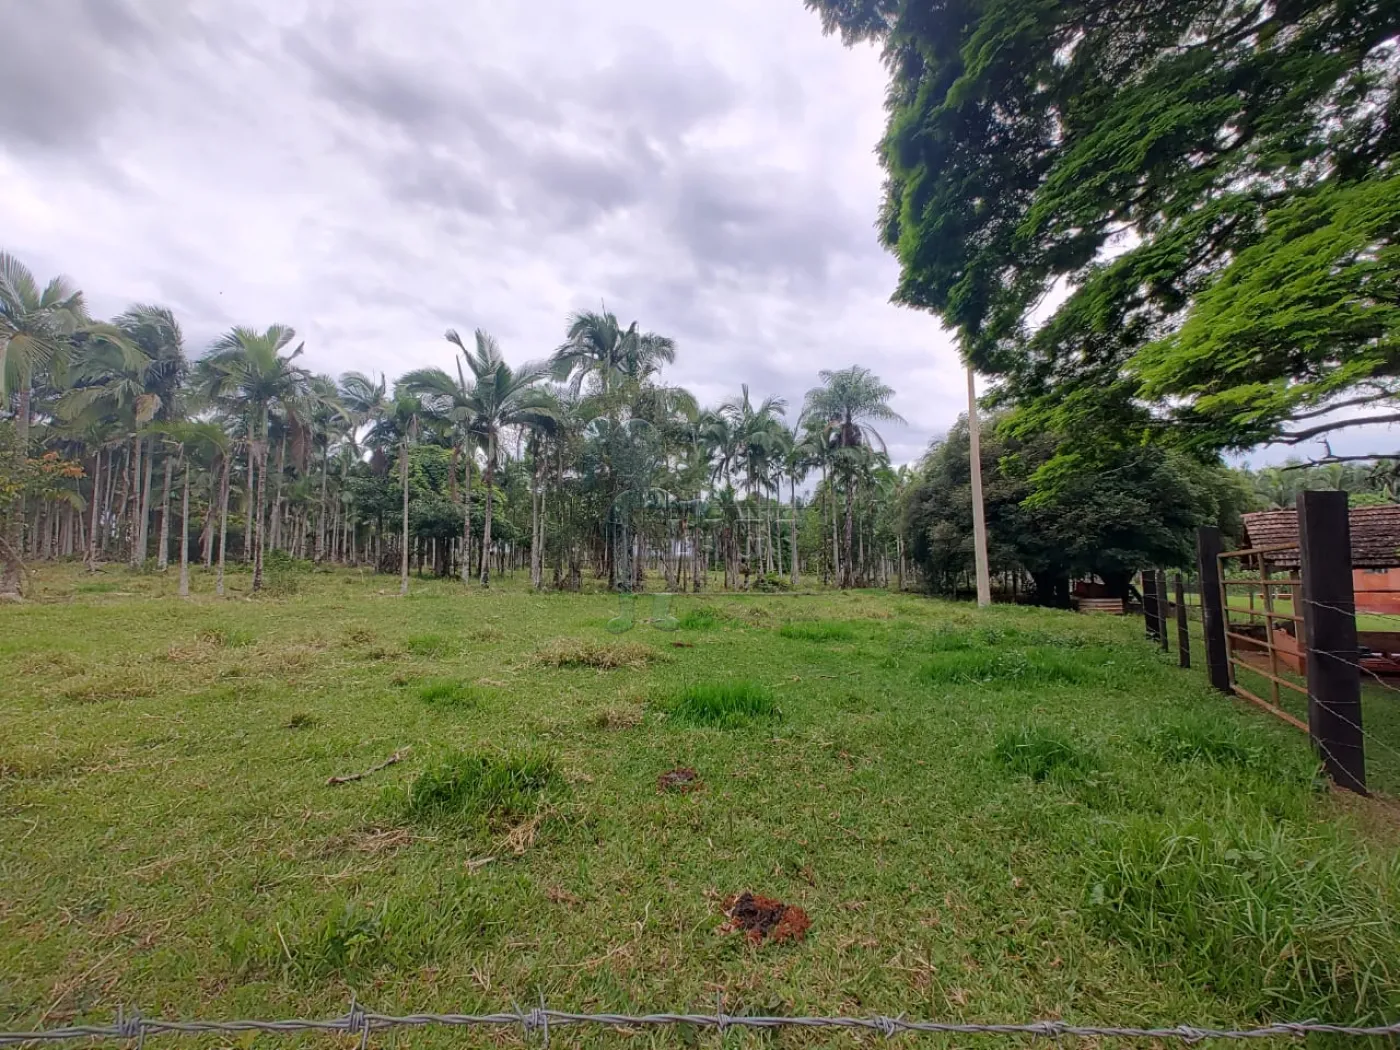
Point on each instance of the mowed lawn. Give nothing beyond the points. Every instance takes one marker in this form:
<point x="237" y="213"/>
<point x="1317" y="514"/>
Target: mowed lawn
<point x="994" y="816"/>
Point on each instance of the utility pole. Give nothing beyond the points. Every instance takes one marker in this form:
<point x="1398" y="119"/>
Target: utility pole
<point x="979" y="513"/>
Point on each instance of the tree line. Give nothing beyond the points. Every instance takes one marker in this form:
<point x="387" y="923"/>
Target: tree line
<point x="118" y="443"/>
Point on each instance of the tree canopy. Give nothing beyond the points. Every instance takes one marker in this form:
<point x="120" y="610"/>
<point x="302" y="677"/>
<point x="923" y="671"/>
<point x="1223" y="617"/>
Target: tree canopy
<point x="1201" y="194"/>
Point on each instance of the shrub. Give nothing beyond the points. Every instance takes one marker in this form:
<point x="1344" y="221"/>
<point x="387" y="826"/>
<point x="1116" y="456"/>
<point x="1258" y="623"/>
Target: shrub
<point x="724" y="705"/>
<point x="464" y="788"/>
<point x="818" y="630"/>
<point x="1286" y="922"/>
<point x="1042" y="755"/>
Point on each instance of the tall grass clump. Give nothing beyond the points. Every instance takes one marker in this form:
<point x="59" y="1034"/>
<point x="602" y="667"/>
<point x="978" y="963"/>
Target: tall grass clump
<point x="429" y="645"/>
<point x="1198" y="738"/>
<point x="818" y="631"/>
<point x="701" y="618"/>
<point x="970" y="665"/>
<point x="1043" y="754"/>
<point x="1289" y="923"/>
<point x="723" y="705"/>
<point x="467" y="788"/>
<point x="448" y="693"/>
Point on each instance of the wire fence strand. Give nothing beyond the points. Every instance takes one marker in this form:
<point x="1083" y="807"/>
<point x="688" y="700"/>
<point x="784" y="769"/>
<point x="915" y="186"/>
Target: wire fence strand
<point x="134" y="1028"/>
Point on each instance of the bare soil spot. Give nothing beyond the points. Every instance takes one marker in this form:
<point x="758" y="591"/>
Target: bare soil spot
<point x="764" y="919"/>
<point x="683" y="780"/>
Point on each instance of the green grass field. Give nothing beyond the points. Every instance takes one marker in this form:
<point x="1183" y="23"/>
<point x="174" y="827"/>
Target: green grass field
<point x="992" y="816"/>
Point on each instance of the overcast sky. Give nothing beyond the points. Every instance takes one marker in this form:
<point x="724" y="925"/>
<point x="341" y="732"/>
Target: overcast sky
<point x="374" y="172"/>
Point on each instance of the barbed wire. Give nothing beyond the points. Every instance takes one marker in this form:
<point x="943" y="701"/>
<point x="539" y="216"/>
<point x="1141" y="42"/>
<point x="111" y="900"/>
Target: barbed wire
<point x="134" y="1027"/>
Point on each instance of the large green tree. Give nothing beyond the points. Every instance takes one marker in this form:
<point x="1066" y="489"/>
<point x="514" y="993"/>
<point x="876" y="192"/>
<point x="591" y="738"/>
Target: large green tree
<point x="1208" y="185"/>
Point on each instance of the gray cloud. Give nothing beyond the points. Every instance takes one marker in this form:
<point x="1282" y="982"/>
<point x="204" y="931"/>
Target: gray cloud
<point x="372" y="174"/>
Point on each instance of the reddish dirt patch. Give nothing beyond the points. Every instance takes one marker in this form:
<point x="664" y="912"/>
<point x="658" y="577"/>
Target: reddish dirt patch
<point x="684" y="780"/>
<point x="763" y="918"/>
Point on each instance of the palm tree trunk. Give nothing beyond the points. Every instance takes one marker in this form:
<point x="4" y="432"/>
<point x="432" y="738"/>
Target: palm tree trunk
<point x="185" y="533"/>
<point x="792" y="532"/>
<point x="144" y="538"/>
<point x="535" y="525"/>
<point x="848" y="569"/>
<point x="95" y="510"/>
<point x="133" y="498"/>
<point x="11" y="562"/>
<point x="250" y="501"/>
<point x="259" y="517"/>
<point x="163" y="555"/>
<point x="321" y="517"/>
<point x="276" y="529"/>
<point x="403" y="556"/>
<point x="467" y="526"/>
<point x="224" y="486"/>
<point x="486" y="520"/>
<point x="206" y="534"/>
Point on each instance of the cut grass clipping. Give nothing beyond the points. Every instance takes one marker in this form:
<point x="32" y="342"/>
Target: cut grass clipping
<point x="462" y="789"/>
<point x="723" y="705"/>
<point x="447" y="693"/>
<point x="1043" y="755"/>
<point x="818" y="631"/>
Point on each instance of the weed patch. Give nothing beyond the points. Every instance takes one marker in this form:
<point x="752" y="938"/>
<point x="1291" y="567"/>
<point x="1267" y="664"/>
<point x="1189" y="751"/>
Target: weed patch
<point x="301" y="720"/>
<point x="1043" y="755"/>
<point x="602" y="656"/>
<point x="723" y="705"/>
<point x="466" y="788"/>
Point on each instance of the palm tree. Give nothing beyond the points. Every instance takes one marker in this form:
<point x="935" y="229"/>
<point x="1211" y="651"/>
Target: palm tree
<point x="450" y="401"/>
<point x="154" y="331"/>
<point x="248" y="368"/>
<point x="845" y="406"/>
<point x="397" y="428"/>
<point x="501" y="397"/>
<point x="35" y="325"/>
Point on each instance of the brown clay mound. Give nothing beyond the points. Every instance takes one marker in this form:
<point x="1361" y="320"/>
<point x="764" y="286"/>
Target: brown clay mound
<point x="684" y="780"/>
<point x="763" y="918"/>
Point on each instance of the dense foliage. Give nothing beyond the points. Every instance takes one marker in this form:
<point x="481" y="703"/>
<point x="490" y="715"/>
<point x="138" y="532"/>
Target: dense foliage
<point x="1139" y="511"/>
<point x="1202" y="193"/>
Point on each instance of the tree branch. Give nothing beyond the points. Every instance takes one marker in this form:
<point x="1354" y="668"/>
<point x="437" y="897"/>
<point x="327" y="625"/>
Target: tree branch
<point x="1341" y="424"/>
<point x="1364" y="400"/>
<point x="1325" y="460"/>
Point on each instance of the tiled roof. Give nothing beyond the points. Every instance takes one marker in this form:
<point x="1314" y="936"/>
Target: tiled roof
<point x="1375" y="535"/>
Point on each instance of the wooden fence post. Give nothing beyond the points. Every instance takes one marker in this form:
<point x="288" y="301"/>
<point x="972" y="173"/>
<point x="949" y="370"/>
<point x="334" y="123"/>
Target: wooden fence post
<point x="1183" y="632"/>
<point x="1163" y="610"/>
<point x="1149" y="604"/>
<point x="1208" y="550"/>
<point x="1329" y="621"/>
